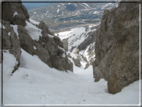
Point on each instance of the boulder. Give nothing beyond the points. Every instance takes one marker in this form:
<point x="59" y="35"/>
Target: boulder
<point x="117" y="47"/>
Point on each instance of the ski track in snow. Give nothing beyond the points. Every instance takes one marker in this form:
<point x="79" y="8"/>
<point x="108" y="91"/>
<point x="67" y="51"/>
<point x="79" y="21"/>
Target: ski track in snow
<point x="35" y="83"/>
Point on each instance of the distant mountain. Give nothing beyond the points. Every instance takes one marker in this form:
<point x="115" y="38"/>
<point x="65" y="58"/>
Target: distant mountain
<point x="30" y="6"/>
<point x="68" y="15"/>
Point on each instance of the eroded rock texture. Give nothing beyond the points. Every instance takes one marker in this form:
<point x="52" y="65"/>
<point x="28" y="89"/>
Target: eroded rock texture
<point x="16" y="35"/>
<point x="117" y="47"/>
<point x="14" y="13"/>
<point x="11" y="43"/>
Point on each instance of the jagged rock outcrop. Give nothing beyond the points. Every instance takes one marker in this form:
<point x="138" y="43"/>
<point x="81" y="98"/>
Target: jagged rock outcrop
<point x="15" y="13"/>
<point x="81" y="43"/>
<point x="65" y="44"/>
<point x="77" y="61"/>
<point x="11" y="43"/>
<point x="117" y="47"/>
<point x="48" y="49"/>
<point x="54" y="46"/>
<point x="89" y="40"/>
<point x="37" y="39"/>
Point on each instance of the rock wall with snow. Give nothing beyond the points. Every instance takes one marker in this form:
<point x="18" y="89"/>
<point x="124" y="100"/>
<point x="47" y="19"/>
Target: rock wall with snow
<point x="20" y="32"/>
<point x="65" y="44"/>
<point x="117" y="47"/>
<point x="81" y="43"/>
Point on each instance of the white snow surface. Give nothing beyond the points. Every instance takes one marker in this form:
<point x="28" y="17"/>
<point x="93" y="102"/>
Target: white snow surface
<point x="50" y="36"/>
<point x="15" y="28"/>
<point x="96" y="12"/>
<point x="8" y="64"/>
<point x="2" y="26"/>
<point x="73" y="33"/>
<point x="34" y="47"/>
<point x="34" y="22"/>
<point x="75" y="37"/>
<point x="36" y="83"/>
<point x="86" y="5"/>
<point x="83" y="5"/>
<point x="63" y="55"/>
<point x="58" y="11"/>
<point x="33" y="31"/>
<point x="64" y="35"/>
<point x="8" y="33"/>
<point x="46" y="12"/>
<point x="15" y="13"/>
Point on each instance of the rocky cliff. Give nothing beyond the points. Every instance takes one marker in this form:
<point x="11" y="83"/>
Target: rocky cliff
<point x="117" y="47"/>
<point x="35" y="38"/>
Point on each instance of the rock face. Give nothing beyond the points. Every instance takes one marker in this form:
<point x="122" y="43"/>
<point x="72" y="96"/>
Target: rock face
<point x="48" y="49"/>
<point x="19" y="33"/>
<point x="80" y="44"/>
<point x="15" y="13"/>
<point x="90" y="39"/>
<point x="117" y="47"/>
<point x="65" y="44"/>
<point x="77" y="61"/>
<point x="11" y="43"/>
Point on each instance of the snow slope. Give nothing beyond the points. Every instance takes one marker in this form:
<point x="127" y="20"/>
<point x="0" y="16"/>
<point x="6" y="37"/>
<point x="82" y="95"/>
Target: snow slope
<point x="75" y="37"/>
<point x="35" y="83"/>
<point x="33" y="31"/>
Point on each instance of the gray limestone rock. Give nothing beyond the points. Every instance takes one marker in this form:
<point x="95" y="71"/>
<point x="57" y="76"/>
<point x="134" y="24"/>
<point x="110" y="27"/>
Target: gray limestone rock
<point x="11" y="43"/>
<point x="14" y="13"/>
<point x="117" y="47"/>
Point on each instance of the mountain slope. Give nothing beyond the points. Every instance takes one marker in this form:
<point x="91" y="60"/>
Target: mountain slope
<point x="36" y="83"/>
<point x="80" y="43"/>
<point x="65" y="15"/>
<point x="27" y="74"/>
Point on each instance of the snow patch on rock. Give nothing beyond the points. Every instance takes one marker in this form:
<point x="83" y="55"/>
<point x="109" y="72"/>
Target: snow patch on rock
<point x="33" y="31"/>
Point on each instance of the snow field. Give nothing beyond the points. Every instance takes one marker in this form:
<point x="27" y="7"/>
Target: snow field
<point x="34" y="22"/>
<point x="35" y="83"/>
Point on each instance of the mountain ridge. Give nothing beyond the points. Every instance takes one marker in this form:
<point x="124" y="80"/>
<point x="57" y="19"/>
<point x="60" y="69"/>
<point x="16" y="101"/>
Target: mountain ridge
<point x="60" y="17"/>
